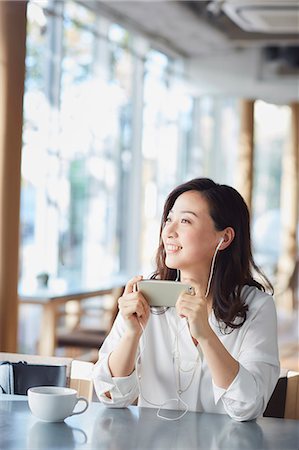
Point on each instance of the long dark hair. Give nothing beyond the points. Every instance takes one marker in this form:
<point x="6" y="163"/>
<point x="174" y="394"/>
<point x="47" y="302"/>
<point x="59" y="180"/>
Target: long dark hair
<point x="234" y="266"/>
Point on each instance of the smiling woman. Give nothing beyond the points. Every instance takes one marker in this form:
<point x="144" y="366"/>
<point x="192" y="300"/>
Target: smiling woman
<point x="189" y="236"/>
<point x="216" y="350"/>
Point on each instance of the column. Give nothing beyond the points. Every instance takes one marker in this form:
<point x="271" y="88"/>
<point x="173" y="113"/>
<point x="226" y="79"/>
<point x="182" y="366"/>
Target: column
<point x="12" y="72"/>
<point x="287" y="274"/>
<point x="244" y="181"/>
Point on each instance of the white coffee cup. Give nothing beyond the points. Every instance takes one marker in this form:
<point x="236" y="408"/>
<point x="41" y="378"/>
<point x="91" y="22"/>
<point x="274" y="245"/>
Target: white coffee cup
<point x="54" y="404"/>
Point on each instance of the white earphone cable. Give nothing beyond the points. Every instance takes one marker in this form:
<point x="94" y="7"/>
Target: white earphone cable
<point x="160" y="406"/>
<point x="212" y="267"/>
<point x="178" y="399"/>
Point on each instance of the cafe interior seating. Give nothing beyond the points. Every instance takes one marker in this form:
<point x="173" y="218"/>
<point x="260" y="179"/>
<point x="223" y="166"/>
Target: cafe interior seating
<point x="78" y="373"/>
<point x="88" y="331"/>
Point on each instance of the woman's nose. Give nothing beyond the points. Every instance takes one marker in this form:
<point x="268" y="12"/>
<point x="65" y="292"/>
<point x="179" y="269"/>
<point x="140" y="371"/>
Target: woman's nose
<point x="172" y="230"/>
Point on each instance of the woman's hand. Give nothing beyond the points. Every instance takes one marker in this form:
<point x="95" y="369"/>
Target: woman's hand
<point x="133" y="307"/>
<point x="195" y="309"/>
<point x="222" y="365"/>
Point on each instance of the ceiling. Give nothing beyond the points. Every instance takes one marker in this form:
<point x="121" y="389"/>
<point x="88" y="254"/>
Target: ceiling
<point x="242" y="47"/>
<point x="195" y="28"/>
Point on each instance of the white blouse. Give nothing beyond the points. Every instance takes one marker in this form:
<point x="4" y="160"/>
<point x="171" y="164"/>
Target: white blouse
<point x="166" y="352"/>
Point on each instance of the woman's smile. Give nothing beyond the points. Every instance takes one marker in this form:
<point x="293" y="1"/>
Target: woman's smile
<point x="172" y="248"/>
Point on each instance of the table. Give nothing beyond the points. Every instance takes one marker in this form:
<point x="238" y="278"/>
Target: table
<point x="52" y="299"/>
<point x="140" y="428"/>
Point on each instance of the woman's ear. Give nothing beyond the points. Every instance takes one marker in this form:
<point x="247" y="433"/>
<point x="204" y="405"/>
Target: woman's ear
<point x="228" y="237"/>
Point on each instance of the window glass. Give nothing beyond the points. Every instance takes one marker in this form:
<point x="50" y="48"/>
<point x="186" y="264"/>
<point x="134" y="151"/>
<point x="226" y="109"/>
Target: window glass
<point x="77" y="128"/>
<point x="89" y="156"/>
<point x="166" y="142"/>
<point x="36" y="131"/>
<point x="217" y="133"/>
<point x="272" y="124"/>
<point x="74" y="205"/>
<point x="191" y="164"/>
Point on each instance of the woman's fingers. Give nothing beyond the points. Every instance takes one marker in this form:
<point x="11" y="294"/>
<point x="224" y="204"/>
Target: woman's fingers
<point x="130" y="286"/>
<point x="133" y="303"/>
<point x="133" y="308"/>
<point x="189" y="303"/>
<point x="197" y="288"/>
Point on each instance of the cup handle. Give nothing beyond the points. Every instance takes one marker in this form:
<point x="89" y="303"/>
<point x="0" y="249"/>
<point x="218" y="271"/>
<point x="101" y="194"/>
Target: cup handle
<point x="82" y="410"/>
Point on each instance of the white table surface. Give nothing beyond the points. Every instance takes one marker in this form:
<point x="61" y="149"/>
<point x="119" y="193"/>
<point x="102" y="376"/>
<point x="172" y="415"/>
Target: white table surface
<point x="139" y="428"/>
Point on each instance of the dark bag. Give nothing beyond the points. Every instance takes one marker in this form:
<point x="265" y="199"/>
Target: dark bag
<point x="32" y="375"/>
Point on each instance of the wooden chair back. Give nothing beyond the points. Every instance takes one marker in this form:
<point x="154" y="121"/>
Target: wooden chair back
<point x="292" y="396"/>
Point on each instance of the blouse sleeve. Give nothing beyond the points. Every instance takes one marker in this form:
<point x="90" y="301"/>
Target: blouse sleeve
<point x="248" y="395"/>
<point x="123" y="390"/>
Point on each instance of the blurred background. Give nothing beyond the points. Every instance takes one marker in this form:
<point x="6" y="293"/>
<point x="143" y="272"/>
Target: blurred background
<point x="116" y="103"/>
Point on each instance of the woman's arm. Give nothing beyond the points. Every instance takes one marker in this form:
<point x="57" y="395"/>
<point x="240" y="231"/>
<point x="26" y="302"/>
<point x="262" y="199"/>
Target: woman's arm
<point x="244" y="386"/>
<point x="122" y="360"/>
<point x="135" y="312"/>
<point x="223" y="367"/>
<point x="114" y="379"/>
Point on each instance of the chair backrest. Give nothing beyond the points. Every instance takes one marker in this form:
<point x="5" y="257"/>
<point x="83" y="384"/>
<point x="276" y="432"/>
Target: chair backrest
<point x="292" y="396"/>
<point x="78" y="373"/>
<point x="284" y="402"/>
<point x="81" y="379"/>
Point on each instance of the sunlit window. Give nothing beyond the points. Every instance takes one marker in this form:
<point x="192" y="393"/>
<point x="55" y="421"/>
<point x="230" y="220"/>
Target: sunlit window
<point x="166" y="143"/>
<point x="80" y="130"/>
<point x="76" y="127"/>
<point x="36" y="132"/>
<point x="271" y="137"/>
<point x="217" y="133"/>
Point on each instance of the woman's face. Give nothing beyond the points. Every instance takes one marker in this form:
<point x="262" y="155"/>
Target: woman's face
<point x="189" y="235"/>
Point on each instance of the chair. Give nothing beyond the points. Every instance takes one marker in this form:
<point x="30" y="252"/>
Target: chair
<point x="85" y="337"/>
<point x="78" y="373"/>
<point x="284" y="402"/>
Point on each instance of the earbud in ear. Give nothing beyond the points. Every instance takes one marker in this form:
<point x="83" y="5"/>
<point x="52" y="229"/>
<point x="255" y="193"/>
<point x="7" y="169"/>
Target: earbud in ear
<point x="219" y="244"/>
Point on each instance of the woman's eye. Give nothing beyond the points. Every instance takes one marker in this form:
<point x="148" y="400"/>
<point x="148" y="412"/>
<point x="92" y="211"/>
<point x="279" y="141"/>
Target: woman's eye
<point x="167" y="219"/>
<point x="185" y="221"/>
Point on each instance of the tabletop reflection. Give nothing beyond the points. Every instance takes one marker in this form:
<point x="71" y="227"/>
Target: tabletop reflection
<point x="50" y="435"/>
<point x="145" y="430"/>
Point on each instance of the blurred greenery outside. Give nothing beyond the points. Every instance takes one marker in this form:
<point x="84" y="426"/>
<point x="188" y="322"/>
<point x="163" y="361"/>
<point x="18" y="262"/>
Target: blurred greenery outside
<point x="78" y="160"/>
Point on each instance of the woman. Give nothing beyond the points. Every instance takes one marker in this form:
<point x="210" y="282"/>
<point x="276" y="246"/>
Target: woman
<point x="216" y="351"/>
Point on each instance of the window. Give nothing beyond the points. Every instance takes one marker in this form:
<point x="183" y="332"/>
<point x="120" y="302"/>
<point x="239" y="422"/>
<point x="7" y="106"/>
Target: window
<point x="166" y="145"/>
<point x="77" y="128"/>
<point x="99" y="134"/>
<point x="217" y="134"/>
<point x="271" y="136"/>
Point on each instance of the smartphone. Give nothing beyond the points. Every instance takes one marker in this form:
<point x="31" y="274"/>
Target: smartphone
<point x="162" y="292"/>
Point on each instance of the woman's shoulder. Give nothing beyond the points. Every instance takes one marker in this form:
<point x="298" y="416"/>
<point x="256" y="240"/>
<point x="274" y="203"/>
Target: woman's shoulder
<point x="256" y="299"/>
